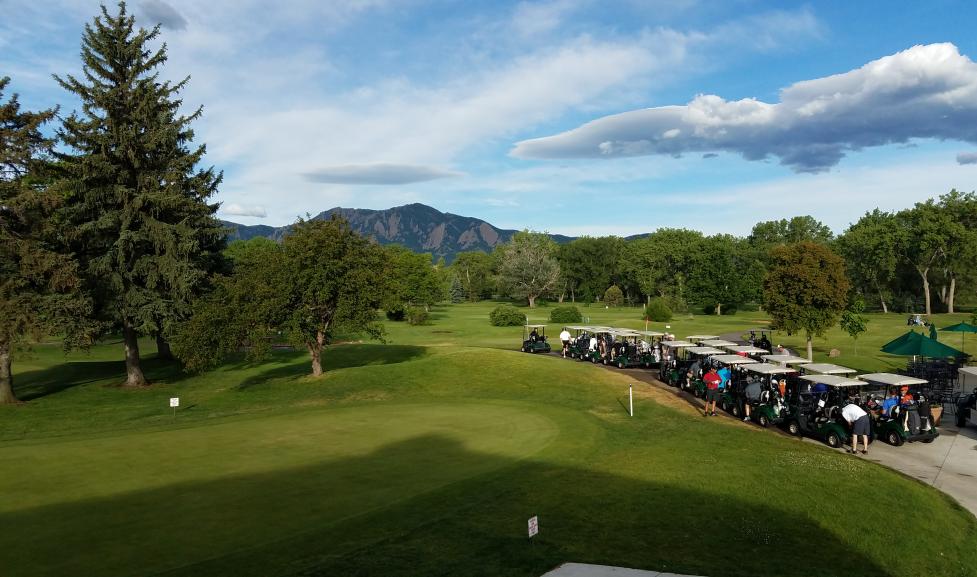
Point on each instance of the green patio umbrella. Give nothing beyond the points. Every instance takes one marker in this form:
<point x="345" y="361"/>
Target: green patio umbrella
<point x="916" y="345"/>
<point x="962" y="328"/>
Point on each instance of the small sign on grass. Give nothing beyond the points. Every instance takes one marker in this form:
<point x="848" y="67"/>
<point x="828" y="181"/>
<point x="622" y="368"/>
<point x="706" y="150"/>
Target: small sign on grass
<point x="533" y="526"/>
<point x="174" y="402"/>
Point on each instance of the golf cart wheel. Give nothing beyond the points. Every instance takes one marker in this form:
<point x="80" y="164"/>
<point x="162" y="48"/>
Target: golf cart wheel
<point x="724" y="406"/>
<point x="736" y="411"/>
<point x="593" y="360"/>
<point x="794" y="428"/>
<point x="524" y="350"/>
<point x="833" y="440"/>
<point x="764" y="421"/>
<point x="894" y="438"/>
<point x="620" y="364"/>
<point x="930" y="440"/>
<point x="961" y="420"/>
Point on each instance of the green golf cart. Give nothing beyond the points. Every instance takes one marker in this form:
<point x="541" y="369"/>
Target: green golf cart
<point x="650" y="342"/>
<point x="579" y="340"/>
<point x="769" y="408"/>
<point x="904" y="422"/>
<point x="825" y="369"/>
<point x="728" y="400"/>
<point x="693" y="363"/>
<point x="627" y="351"/>
<point x="669" y="371"/>
<point x="814" y="404"/>
<point x="534" y="339"/>
<point x="601" y="353"/>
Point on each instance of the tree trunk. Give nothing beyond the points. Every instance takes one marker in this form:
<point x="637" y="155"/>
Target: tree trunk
<point x="885" y="309"/>
<point x="949" y="300"/>
<point x="562" y="296"/>
<point x="134" y="376"/>
<point x="315" y="349"/>
<point x="163" y="349"/>
<point x="924" y="274"/>
<point x="7" y="396"/>
<point x="532" y="301"/>
<point x="719" y="309"/>
<point x="810" y="349"/>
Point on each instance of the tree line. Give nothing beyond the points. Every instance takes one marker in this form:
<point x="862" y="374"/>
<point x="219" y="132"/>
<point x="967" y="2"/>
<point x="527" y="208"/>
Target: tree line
<point x="107" y="227"/>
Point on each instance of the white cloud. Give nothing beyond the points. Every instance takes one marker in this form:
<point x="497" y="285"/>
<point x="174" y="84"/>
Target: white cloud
<point x="234" y="209"/>
<point x="923" y="92"/>
<point x="378" y="173"/>
<point x="158" y="11"/>
<point x="534" y="18"/>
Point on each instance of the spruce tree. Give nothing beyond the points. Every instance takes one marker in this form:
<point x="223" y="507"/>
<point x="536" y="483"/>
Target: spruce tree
<point x="37" y="282"/>
<point x="145" y="235"/>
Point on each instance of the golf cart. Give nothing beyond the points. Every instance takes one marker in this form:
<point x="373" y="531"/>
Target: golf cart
<point x="602" y="352"/>
<point x="627" y="351"/>
<point x="825" y="369"/>
<point x="747" y="350"/>
<point x="814" y="404"/>
<point x="697" y="339"/>
<point x="534" y="339"/>
<point x="733" y="363"/>
<point x="717" y="343"/>
<point x="651" y="343"/>
<point x="692" y="364"/>
<point x="910" y="421"/>
<point x="668" y="371"/>
<point x="784" y="360"/>
<point x="762" y="341"/>
<point x="967" y="410"/>
<point x="770" y="408"/>
<point x="579" y="340"/>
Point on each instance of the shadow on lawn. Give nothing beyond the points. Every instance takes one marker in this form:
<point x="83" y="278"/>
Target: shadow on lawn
<point x="57" y="378"/>
<point x="292" y="364"/>
<point x="429" y="506"/>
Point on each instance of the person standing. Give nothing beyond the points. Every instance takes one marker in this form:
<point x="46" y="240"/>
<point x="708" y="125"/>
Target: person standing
<point x="712" y="380"/>
<point x="751" y="394"/>
<point x="860" y="426"/>
<point x="565" y="338"/>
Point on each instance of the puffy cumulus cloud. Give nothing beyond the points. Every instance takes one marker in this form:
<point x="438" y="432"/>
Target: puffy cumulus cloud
<point x="243" y="210"/>
<point x="923" y="92"/>
<point x="158" y="11"/>
<point x="378" y="173"/>
<point x="967" y="158"/>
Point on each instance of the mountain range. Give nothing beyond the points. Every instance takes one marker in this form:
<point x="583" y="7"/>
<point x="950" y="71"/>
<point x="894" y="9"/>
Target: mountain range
<point x="418" y="227"/>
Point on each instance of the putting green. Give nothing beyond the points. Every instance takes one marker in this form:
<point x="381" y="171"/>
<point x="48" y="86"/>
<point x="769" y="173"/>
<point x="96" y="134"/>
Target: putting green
<point x="214" y="490"/>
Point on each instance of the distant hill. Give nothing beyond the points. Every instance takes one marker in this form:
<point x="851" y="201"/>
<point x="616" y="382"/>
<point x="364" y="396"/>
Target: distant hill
<point x="415" y="226"/>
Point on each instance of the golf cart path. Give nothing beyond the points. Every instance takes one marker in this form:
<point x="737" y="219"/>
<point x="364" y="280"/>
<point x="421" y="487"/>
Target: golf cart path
<point x="949" y="463"/>
<point x="585" y="570"/>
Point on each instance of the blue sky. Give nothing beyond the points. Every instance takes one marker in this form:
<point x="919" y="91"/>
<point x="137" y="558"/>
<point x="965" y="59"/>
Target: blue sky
<point x="570" y="116"/>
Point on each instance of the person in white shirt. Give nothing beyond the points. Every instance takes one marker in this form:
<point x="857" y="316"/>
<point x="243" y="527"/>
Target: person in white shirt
<point x="860" y="426"/>
<point x="565" y="337"/>
<point x="593" y="342"/>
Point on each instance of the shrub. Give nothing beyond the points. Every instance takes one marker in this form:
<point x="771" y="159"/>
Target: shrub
<point x="566" y="314"/>
<point x="658" y="311"/>
<point x="506" y="316"/>
<point x="613" y="296"/>
<point x="417" y="315"/>
<point x="396" y="315"/>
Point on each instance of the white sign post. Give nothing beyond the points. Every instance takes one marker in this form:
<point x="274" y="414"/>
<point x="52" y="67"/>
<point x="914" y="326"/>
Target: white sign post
<point x="533" y="526"/>
<point x="174" y="403"/>
<point x="630" y="401"/>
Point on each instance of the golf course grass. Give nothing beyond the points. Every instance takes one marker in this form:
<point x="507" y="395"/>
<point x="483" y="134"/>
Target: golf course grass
<point x="426" y="456"/>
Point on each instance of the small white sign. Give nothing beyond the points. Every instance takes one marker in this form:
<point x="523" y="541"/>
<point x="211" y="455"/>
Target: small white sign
<point x="174" y="402"/>
<point x="821" y="404"/>
<point x="533" y="526"/>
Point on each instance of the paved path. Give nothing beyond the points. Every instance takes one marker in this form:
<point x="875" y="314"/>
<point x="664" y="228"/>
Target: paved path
<point x="584" y="570"/>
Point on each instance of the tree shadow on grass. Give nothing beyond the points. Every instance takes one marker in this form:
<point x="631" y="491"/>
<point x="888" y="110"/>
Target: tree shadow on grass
<point x="427" y="506"/>
<point x="57" y="378"/>
<point x="292" y="364"/>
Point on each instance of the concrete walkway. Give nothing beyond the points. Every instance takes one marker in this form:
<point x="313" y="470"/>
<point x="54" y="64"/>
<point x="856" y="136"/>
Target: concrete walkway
<point x="584" y="570"/>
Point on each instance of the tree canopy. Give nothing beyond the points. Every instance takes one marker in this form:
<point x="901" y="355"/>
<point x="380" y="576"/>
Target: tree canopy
<point x="527" y="266"/>
<point x="805" y="289"/>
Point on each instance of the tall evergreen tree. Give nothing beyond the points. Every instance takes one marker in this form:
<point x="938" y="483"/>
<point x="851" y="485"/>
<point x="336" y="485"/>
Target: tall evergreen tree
<point x="144" y="232"/>
<point x="37" y="282"/>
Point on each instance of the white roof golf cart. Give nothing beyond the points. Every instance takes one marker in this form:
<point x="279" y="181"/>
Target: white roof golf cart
<point x="826" y="369"/>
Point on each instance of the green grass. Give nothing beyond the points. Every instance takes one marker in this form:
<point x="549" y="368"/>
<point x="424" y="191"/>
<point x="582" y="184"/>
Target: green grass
<point x="426" y="456"/>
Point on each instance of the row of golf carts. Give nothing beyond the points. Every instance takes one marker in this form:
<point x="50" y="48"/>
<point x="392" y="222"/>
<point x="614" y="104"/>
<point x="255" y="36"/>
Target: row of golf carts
<point x="772" y="389"/>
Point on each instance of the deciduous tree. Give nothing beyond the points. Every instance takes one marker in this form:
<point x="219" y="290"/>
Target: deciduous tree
<point x="528" y="267"/>
<point x="805" y="289"/>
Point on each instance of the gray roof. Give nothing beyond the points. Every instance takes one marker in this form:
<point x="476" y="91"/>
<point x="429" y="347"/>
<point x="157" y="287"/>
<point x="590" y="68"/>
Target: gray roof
<point x="892" y="379"/>
<point x="733" y="360"/>
<point x="784" y="359"/>
<point x="828" y="369"/>
<point x="834" y="380"/>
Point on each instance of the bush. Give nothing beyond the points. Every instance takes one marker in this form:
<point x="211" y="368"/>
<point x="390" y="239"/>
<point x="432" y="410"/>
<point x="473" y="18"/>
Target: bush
<point x="396" y="315"/>
<point x="565" y="315"/>
<point x="417" y="315"/>
<point x="613" y="296"/>
<point x="506" y="316"/>
<point x="658" y="311"/>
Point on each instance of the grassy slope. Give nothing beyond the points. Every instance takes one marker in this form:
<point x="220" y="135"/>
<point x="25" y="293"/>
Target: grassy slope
<point x="426" y="456"/>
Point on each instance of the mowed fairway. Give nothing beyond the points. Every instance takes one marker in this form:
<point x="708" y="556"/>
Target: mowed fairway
<point x="426" y="457"/>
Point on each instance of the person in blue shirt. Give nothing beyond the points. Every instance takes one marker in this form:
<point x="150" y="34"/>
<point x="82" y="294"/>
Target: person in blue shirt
<point x="891" y="401"/>
<point x="724" y="374"/>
